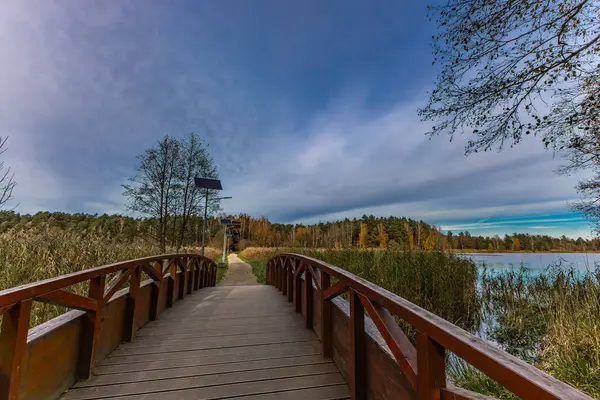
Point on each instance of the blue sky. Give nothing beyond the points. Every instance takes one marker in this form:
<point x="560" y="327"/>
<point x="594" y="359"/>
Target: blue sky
<point x="309" y="108"/>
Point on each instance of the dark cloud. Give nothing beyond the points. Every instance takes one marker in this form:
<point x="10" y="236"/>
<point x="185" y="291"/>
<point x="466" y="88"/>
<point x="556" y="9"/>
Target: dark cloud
<point x="305" y="124"/>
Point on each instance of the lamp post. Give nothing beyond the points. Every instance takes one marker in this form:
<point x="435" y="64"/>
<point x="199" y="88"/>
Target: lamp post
<point x="225" y="222"/>
<point x="208" y="184"/>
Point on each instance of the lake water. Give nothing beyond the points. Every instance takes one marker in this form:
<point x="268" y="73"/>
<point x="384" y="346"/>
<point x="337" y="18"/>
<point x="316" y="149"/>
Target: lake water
<point x="535" y="261"/>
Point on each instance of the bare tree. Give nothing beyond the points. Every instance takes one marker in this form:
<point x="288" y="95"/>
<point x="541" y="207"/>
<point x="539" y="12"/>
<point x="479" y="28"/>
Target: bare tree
<point x="195" y="161"/>
<point x="7" y="177"/>
<point x="163" y="187"/>
<point x="513" y="68"/>
<point x="151" y="189"/>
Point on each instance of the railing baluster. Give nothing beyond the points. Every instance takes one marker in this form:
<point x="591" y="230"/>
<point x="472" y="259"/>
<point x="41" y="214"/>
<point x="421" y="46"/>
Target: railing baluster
<point x="171" y="283"/>
<point x="431" y="368"/>
<point x="325" y="316"/>
<point x="13" y="344"/>
<point x="91" y="328"/>
<point x="268" y="272"/>
<point x="308" y="298"/>
<point x="290" y="280"/>
<point x="358" y="366"/>
<point x="189" y="275"/>
<point x="284" y="276"/>
<point x="131" y="303"/>
<point x="298" y="287"/>
<point x="182" y="279"/>
<point x="277" y="280"/>
<point x="196" y="274"/>
<point x="201" y="274"/>
<point x="155" y="293"/>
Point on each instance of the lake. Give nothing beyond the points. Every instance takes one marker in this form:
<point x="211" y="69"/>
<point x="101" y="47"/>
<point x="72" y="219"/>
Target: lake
<point x="535" y="261"/>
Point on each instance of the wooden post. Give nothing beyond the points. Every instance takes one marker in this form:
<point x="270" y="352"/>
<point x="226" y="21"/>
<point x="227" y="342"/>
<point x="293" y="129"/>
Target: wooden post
<point x="290" y="281"/>
<point x="268" y="273"/>
<point x="284" y="277"/>
<point x="130" y="305"/>
<point x="431" y="368"/>
<point x="90" y="331"/>
<point x="155" y="293"/>
<point x="298" y="289"/>
<point x="358" y="365"/>
<point x="325" y="316"/>
<point x="171" y="283"/>
<point x="200" y="274"/>
<point x="308" y="298"/>
<point x="189" y="275"/>
<point x="13" y="344"/>
<point x="182" y="280"/>
<point x="196" y="274"/>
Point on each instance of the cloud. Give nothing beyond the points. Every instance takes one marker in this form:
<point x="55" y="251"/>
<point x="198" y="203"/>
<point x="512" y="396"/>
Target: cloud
<point x="349" y="162"/>
<point x="304" y="125"/>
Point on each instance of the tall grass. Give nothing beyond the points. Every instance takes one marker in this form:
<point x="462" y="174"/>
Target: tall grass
<point x="442" y="283"/>
<point x="551" y="320"/>
<point x="32" y="256"/>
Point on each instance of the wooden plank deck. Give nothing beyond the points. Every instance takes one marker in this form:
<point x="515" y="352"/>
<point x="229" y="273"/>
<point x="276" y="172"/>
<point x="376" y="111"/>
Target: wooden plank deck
<point x="242" y="342"/>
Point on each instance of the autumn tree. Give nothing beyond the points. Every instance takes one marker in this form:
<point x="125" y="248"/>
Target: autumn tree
<point x="513" y="68"/>
<point x="363" y="236"/>
<point x="382" y="236"/>
<point x="516" y="244"/>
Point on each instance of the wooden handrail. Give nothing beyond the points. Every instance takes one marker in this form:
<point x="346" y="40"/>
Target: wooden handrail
<point x="15" y="305"/>
<point x="435" y="335"/>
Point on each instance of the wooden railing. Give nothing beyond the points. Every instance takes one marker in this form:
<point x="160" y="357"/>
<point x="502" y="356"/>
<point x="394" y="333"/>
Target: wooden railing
<point x="191" y="270"/>
<point x="424" y="367"/>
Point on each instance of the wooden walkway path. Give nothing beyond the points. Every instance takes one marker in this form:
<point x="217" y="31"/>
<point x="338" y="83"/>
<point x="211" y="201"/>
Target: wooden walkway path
<point x="243" y="342"/>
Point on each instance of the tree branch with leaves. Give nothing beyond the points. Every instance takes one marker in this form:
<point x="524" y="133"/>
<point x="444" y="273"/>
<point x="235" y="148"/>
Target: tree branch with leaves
<point x="512" y="68"/>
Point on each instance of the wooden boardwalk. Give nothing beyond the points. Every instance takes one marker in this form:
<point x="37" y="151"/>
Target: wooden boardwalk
<point x="171" y="334"/>
<point x="243" y="342"/>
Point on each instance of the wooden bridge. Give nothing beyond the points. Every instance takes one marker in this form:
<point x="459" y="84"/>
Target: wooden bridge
<point x="176" y="336"/>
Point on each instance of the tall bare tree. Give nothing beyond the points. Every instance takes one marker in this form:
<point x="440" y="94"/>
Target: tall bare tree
<point x="7" y="177"/>
<point x="195" y="161"/>
<point x="163" y="187"/>
<point x="512" y="68"/>
<point x="151" y="190"/>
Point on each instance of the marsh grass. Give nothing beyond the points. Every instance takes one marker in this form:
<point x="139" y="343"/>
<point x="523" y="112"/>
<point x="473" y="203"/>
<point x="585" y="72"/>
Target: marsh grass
<point x="31" y="256"/>
<point x="549" y="319"/>
<point x="442" y="283"/>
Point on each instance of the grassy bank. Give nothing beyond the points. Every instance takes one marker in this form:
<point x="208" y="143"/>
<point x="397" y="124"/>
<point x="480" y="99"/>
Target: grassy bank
<point x="222" y="267"/>
<point x="551" y="320"/>
<point x="259" y="268"/>
<point x="27" y="257"/>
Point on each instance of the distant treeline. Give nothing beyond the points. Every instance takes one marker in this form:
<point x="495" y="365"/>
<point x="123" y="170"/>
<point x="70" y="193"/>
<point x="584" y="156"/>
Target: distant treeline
<point x="395" y="233"/>
<point x="366" y="232"/>
<point x="120" y="227"/>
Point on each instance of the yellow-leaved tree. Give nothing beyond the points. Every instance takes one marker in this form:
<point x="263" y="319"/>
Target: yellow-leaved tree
<point x="363" y="235"/>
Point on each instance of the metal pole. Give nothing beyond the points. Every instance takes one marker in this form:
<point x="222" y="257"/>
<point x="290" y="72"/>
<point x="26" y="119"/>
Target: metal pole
<point x="204" y="221"/>
<point x="224" y="243"/>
